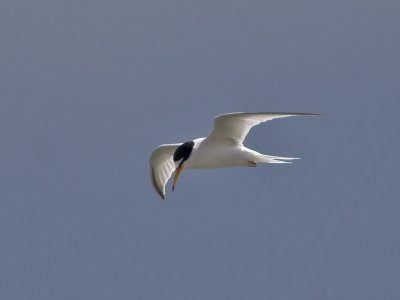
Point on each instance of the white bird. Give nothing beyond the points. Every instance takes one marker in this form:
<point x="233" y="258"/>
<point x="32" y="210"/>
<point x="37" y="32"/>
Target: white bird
<point x="222" y="148"/>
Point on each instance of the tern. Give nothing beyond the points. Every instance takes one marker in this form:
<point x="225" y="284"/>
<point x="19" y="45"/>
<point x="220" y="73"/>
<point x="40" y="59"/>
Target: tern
<point x="222" y="148"/>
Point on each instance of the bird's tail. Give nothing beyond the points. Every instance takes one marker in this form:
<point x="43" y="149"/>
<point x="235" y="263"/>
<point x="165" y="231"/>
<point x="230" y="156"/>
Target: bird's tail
<point x="274" y="159"/>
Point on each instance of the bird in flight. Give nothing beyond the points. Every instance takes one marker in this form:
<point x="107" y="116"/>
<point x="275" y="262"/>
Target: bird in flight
<point x="222" y="148"/>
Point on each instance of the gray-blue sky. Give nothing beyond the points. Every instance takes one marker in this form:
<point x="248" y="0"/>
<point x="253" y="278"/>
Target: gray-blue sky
<point x="89" y="88"/>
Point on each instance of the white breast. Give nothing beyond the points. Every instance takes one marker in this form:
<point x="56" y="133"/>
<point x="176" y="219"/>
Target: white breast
<point x="218" y="155"/>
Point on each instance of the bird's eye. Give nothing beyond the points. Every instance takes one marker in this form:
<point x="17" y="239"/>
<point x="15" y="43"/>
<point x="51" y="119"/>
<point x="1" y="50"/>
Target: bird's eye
<point x="183" y="151"/>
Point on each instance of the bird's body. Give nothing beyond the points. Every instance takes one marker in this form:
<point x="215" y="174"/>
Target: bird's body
<point x="224" y="155"/>
<point x="221" y="155"/>
<point x="222" y="148"/>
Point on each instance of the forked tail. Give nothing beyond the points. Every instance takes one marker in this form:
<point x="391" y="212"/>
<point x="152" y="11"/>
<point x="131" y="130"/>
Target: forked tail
<point x="269" y="159"/>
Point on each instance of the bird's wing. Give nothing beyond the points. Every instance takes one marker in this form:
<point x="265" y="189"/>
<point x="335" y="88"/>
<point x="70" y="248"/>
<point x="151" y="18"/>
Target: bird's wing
<point x="234" y="127"/>
<point x="162" y="166"/>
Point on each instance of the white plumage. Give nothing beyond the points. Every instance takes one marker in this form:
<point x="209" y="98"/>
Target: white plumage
<point x="222" y="148"/>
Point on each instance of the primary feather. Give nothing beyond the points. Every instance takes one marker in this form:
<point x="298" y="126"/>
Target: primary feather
<point x="162" y="166"/>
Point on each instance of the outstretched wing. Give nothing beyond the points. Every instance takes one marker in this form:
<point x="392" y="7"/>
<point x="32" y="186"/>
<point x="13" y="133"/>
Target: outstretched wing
<point x="162" y="166"/>
<point x="234" y="127"/>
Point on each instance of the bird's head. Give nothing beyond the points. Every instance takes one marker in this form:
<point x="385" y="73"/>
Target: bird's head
<point x="181" y="155"/>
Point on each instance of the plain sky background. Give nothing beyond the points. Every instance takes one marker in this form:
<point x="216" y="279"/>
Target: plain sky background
<point x="89" y="88"/>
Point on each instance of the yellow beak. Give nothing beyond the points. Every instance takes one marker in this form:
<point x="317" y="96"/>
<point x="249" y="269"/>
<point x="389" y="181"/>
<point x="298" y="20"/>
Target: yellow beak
<point x="176" y="175"/>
